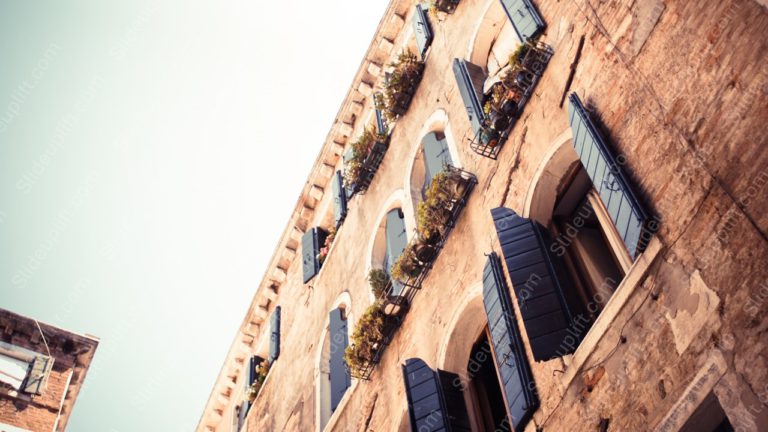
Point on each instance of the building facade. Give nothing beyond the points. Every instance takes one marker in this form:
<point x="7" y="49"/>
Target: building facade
<point x="549" y="216"/>
<point x="42" y="369"/>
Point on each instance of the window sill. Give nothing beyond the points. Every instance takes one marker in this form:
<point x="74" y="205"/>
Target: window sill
<point x="615" y="305"/>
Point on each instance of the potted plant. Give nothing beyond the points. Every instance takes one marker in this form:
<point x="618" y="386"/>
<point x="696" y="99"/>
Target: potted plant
<point x="261" y="375"/>
<point x="366" y="339"/>
<point x="407" y="265"/>
<point x="363" y="161"/>
<point x="379" y="281"/>
<point x="400" y="85"/>
<point x="329" y="238"/>
<point x="446" y="6"/>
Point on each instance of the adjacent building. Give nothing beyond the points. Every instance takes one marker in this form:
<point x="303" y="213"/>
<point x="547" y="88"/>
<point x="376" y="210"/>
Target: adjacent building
<point x="42" y="369"/>
<point x="528" y="215"/>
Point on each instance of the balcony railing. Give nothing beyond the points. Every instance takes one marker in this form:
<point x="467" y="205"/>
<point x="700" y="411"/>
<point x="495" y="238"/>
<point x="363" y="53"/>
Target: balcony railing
<point x="398" y="294"/>
<point x="359" y="174"/>
<point x="504" y="104"/>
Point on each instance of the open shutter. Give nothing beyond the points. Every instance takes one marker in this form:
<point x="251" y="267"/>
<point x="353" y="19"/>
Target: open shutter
<point x="274" y="337"/>
<point x="339" y="199"/>
<point x="37" y="378"/>
<point x="436" y="156"/>
<point x="397" y="240"/>
<point x="512" y="366"/>
<point x="608" y="179"/>
<point x="250" y="373"/>
<point x="539" y="283"/>
<point x="427" y="404"/>
<point x="422" y="30"/>
<point x="340" y="379"/>
<point x="469" y="78"/>
<point x="524" y="18"/>
<point x="310" y="247"/>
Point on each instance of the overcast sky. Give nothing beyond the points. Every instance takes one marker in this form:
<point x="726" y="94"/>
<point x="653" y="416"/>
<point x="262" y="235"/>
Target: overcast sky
<point x="150" y="155"/>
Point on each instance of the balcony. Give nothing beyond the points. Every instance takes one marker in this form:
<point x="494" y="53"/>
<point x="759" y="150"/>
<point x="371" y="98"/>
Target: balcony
<point x="400" y="86"/>
<point x="505" y="99"/>
<point x="366" y="156"/>
<point x="437" y="215"/>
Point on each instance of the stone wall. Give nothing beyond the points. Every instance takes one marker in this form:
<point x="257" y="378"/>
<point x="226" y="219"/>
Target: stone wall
<point x="680" y="88"/>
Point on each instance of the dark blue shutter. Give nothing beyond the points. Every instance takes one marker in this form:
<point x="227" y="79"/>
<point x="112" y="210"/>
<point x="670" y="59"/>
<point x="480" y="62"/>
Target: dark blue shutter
<point x="339" y="199"/>
<point x="436" y="156"/>
<point x="397" y="240"/>
<point x="469" y="78"/>
<point x="250" y="374"/>
<point x="380" y="124"/>
<point x="422" y="30"/>
<point x="340" y="379"/>
<point x="427" y="405"/>
<point x="274" y="337"/>
<point x="310" y="247"/>
<point x="512" y="366"/>
<point x="608" y="179"/>
<point x="539" y="283"/>
<point x="524" y="18"/>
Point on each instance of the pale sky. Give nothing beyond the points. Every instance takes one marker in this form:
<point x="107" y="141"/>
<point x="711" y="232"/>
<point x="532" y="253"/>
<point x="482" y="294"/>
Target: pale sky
<point x="150" y="155"/>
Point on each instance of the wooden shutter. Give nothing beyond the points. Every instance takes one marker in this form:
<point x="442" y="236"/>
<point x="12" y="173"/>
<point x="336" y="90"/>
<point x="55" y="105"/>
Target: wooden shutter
<point x="539" y="283"/>
<point x="524" y="17"/>
<point x="250" y="373"/>
<point x="436" y="156"/>
<point x="37" y="378"/>
<point x="340" y="378"/>
<point x="609" y="179"/>
<point x="339" y="199"/>
<point x="274" y="337"/>
<point x="396" y="241"/>
<point x="428" y="407"/>
<point x="514" y="373"/>
<point x="422" y="30"/>
<point x="310" y="247"/>
<point x="469" y="78"/>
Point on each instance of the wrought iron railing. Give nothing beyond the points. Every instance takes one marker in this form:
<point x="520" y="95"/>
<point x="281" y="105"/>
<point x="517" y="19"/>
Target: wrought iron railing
<point x="520" y="85"/>
<point x="398" y="295"/>
<point x="369" y="166"/>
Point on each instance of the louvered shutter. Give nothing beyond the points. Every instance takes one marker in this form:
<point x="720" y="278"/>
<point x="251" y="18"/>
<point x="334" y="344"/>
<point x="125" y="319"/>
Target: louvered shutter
<point x="422" y="30"/>
<point x="512" y="367"/>
<point x="436" y="156"/>
<point x="340" y="378"/>
<point x="274" y="338"/>
<point x="539" y="283"/>
<point x="469" y="78"/>
<point x="608" y="179"/>
<point x="427" y="406"/>
<point x="250" y="373"/>
<point x="396" y="241"/>
<point x="339" y="199"/>
<point x="524" y="17"/>
<point x="310" y="247"/>
<point x="37" y="378"/>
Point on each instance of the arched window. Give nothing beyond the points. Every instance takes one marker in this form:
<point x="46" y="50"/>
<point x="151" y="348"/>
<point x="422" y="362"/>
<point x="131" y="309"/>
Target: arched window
<point x="333" y="379"/>
<point x="582" y="237"/>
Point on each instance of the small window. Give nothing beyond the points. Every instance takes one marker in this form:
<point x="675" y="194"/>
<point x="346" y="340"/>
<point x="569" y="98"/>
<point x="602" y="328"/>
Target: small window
<point x="24" y="370"/>
<point x="335" y="379"/>
<point x="708" y="417"/>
